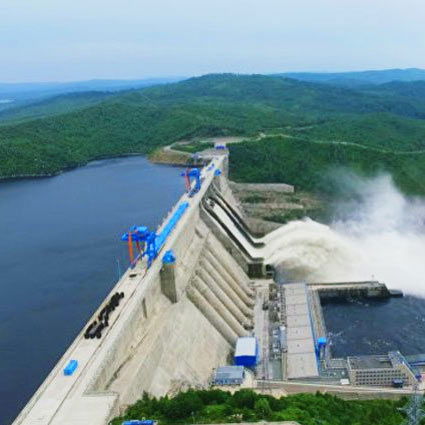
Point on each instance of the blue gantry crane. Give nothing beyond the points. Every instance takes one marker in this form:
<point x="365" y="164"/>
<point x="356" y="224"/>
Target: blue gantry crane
<point x="149" y="243"/>
<point x="195" y="174"/>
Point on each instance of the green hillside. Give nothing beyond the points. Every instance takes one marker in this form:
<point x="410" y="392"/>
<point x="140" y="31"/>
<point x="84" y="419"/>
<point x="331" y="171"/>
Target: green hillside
<point x="296" y="97"/>
<point x="387" y="119"/>
<point x="379" y="130"/>
<point x="49" y="145"/>
<point x="308" y="164"/>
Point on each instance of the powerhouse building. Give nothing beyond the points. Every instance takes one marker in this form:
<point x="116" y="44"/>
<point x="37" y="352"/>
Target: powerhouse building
<point x="381" y="370"/>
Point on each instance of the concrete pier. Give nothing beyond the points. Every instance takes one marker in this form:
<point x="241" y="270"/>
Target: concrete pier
<point x="366" y="289"/>
<point x="301" y="361"/>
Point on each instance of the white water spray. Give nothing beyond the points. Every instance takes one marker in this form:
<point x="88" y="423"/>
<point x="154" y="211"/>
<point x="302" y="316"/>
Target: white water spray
<point x="380" y="236"/>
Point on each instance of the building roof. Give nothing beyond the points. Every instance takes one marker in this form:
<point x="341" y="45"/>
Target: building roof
<point x="246" y="346"/>
<point x="301" y="354"/>
<point x="302" y="365"/>
<point x="369" y="362"/>
<point x="299" y="332"/>
<point x="229" y="372"/>
<point x="295" y="321"/>
<point x="416" y="359"/>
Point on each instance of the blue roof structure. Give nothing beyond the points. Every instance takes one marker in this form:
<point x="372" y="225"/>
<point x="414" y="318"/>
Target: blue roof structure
<point x="246" y="352"/>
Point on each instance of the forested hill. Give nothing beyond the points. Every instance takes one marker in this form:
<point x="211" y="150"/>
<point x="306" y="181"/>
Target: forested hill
<point x="138" y="121"/>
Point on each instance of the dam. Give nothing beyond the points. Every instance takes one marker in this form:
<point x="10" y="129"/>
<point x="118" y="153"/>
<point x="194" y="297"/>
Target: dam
<point x="194" y="286"/>
<point x="174" y="322"/>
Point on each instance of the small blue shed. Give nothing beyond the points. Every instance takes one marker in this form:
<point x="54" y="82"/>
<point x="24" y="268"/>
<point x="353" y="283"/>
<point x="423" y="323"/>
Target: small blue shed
<point x="247" y="351"/>
<point x="229" y="375"/>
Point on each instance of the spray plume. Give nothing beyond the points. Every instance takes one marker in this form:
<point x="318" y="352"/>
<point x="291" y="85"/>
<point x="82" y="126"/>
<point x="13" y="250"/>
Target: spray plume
<point x="378" y="234"/>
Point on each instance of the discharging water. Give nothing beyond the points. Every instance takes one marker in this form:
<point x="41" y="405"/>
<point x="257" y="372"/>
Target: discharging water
<point x="378" y="234"/>
<point x="61" y="254"/>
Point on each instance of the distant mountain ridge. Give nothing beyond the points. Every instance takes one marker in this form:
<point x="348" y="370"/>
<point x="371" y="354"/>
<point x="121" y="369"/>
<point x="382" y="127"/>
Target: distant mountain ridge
<point x="35" y="100"/>
<point x="52" y="105"/>
<point x="359" y="78"/>
<point x="86" y="85"/>
<point x="22" y="94"/>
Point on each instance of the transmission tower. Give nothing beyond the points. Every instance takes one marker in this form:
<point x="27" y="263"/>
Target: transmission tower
<point x="413" y="409"/>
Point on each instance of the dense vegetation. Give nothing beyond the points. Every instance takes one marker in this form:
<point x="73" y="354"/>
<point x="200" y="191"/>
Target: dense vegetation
<point x="215" y="406"/>
<point x="49" y="145"/>
<point x="368" y="128"/>
<point x="309" y="165"/>
<point x="379" y="130"/>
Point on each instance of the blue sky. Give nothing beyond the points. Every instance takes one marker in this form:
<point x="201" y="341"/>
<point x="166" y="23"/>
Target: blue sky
<point x="63" y="40"/>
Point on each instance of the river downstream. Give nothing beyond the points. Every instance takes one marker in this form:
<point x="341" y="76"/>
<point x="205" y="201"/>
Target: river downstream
<point x="61" y="254"/>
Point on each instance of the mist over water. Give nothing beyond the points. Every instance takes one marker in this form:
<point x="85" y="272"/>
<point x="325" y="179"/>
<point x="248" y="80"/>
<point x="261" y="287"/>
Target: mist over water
<point x="377" y="234"/>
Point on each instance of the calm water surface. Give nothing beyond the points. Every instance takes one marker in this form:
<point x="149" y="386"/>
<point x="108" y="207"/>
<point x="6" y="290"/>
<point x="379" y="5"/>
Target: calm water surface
<point x="60" y="254"/>
<point x="376" y="327"/>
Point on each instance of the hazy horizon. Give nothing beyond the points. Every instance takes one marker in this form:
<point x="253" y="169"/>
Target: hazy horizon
<point x="49" y="41"/>
<point x="182" y="77"/>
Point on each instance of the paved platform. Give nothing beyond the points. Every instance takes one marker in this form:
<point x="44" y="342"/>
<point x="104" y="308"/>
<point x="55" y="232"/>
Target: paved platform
<point x="301" y="357"/>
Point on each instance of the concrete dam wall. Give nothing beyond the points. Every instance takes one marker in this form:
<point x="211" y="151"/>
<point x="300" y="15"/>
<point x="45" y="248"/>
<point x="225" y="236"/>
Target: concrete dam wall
<point x="174" y="324"/>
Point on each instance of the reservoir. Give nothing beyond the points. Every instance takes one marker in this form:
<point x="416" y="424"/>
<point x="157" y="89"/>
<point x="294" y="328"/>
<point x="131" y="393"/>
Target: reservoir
<point x="61" y="253"/>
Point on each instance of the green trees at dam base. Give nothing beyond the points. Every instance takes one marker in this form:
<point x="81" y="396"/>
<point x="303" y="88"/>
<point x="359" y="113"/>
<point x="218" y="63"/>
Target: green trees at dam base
<point x="216" y="406"/>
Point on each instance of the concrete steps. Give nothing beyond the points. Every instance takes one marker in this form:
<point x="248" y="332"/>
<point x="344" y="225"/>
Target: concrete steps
<point x="219" y="289"/>
<point x="238" y="285"/>
<point x="230" y="305"/>
<point x="223" y="284"/>
<point x="218" y="306"/>
<point x="208" y="311"/>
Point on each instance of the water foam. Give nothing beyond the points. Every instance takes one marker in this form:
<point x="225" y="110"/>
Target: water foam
<point x="379" y="235"/>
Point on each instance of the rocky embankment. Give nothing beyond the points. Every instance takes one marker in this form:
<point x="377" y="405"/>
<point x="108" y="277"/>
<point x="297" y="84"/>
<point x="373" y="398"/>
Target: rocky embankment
<point x="268" y="206"/>
<point x="170" y="157"/>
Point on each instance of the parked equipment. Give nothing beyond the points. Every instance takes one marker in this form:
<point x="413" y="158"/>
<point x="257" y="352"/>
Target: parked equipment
<point x="70" y="368"/>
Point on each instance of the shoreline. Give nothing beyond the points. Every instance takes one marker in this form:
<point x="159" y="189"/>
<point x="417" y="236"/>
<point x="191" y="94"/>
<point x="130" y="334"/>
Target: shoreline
<point x="149" y="156"/>
<point x="162" y="155"/>
<point x="64" y="170"/>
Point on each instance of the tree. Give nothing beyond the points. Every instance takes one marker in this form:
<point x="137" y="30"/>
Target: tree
<point x="184" y="405"/>
<point x="244" y="398"/>
<point x="262" y="408"/>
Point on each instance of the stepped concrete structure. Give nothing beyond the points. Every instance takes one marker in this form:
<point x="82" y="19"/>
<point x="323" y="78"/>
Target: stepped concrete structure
<point x="175" y="323"/>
